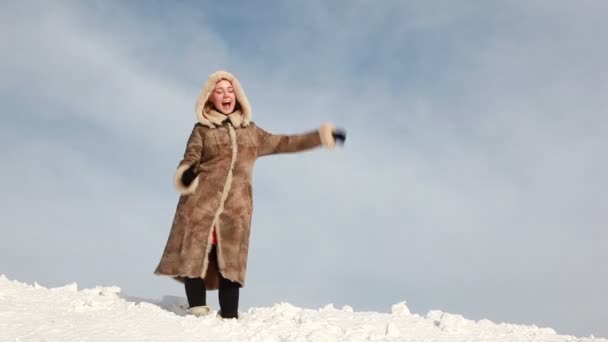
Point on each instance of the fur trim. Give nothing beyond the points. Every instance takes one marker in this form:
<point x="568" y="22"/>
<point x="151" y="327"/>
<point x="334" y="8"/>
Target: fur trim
<point x="181" y="187"/>
<point x="202" y="113"/>
<point x="325" y="132"/>
<point x="215" y="224"/>
<point x="217" y="118"/>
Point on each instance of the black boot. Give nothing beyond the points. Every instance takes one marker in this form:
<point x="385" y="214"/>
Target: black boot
<point x="195" y="292"/>
<point x="229" y="298"/>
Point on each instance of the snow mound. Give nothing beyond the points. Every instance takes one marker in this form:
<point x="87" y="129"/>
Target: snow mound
<point x="35" y="313"/>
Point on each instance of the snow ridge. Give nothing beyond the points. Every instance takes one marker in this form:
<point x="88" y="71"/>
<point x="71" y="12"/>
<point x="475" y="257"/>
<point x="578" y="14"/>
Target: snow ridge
<point x="35" y="313"/>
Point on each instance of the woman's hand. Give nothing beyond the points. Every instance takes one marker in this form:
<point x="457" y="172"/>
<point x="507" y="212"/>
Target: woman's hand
<point x="188" y="176"/>
<point x="339" y="135"/>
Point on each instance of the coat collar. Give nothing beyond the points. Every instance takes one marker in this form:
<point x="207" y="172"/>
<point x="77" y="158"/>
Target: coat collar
<point x="217" y="119"/>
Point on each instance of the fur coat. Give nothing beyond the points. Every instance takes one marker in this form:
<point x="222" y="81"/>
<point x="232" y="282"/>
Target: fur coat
<point x="222" y="149"/>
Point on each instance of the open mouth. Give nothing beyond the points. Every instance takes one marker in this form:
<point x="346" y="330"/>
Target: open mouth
<point x="226" y="105"/>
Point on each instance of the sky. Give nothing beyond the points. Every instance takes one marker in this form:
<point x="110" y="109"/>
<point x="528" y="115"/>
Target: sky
<point x="472" y="180"/>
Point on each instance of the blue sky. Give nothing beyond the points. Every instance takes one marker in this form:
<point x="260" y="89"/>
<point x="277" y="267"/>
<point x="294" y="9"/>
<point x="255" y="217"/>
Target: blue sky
<point x="473" y="179"/>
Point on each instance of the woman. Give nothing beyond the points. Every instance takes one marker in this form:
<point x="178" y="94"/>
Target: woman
<point x="209" y="240"/>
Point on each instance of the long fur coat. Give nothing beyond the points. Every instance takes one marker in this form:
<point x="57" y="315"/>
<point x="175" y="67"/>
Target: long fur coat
<point x="222" y="150"/>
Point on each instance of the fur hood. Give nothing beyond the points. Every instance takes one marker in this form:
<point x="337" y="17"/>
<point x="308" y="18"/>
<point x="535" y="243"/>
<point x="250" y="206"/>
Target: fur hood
<point x="204" y="114"/>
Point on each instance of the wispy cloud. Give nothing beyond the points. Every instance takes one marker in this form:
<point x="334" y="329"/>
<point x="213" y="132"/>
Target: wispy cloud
<point x="476" y="134"/>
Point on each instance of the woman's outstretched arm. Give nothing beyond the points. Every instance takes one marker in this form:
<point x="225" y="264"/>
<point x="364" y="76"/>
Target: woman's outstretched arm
<point x="280" y="143"/>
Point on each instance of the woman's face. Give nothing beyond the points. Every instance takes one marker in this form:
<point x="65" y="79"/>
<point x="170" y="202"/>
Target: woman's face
<point x="223" y="98"/>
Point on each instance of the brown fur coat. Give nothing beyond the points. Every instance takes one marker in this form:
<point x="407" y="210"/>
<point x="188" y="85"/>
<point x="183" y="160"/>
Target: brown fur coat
<point x="223" y="156"/>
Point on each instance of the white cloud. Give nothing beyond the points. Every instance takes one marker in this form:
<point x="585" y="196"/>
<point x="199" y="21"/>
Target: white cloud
<point x="487" y="171"/>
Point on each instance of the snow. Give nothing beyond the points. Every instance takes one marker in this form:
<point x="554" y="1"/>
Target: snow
<point x="36" y="313"/>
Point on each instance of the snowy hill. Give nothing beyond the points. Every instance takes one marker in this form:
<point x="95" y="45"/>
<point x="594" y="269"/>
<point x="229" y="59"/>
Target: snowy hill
<point x="35" y="313"/>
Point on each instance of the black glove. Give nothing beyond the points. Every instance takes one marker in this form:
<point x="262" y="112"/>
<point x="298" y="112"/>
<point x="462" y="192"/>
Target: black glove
<point x="188" y="176"/>
<point x="339" y="135"/>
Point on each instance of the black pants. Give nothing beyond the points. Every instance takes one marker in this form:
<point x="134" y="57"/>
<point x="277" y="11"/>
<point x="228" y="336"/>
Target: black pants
<point x="228" y="293"/>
